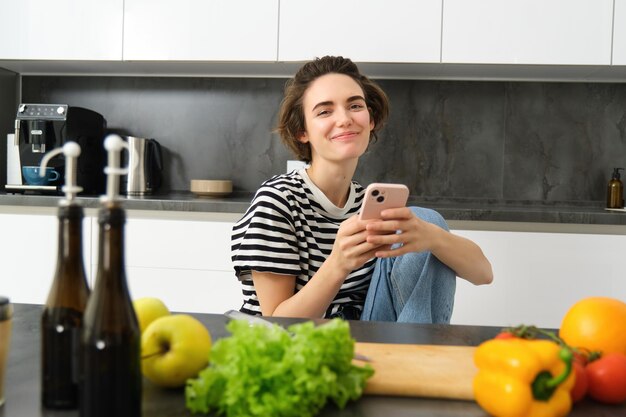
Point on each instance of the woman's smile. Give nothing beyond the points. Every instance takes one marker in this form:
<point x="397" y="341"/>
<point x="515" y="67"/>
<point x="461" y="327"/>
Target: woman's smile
<point x="344" y="136"/>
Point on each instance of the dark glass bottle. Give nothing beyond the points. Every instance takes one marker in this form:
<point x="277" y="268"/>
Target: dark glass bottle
<point x="63" y="314"/>
<point x="110" y="340"/>
<point x="615" y="191"/>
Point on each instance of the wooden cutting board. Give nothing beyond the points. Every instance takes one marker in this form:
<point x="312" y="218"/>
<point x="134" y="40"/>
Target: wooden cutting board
<point x="419" y="370"/>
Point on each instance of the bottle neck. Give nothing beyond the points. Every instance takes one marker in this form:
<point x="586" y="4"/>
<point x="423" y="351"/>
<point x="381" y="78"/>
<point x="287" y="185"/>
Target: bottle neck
<point x="70" y="241"/>
<point x="69" y="288"/>
<point x="111" y="265"/>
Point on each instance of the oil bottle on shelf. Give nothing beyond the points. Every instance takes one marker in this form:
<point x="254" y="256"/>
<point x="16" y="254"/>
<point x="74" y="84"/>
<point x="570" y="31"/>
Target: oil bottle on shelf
<point x="615" y="191"/>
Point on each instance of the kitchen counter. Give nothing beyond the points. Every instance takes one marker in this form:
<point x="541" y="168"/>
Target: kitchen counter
<point x="581" y="213"/>
<point x="23" y="392"/>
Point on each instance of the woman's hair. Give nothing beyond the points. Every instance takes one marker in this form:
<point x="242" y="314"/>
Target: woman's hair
<point x="291" y="123"/>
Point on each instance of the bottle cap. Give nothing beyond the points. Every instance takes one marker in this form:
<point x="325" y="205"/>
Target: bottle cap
<point x="114" y="144"/>
<point x="71" y="151"/>
<point x="6" y="309"/>
<point x="616" y="175"/>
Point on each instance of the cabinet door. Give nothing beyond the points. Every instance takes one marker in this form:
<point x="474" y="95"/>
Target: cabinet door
<point x="185" y="263"/>
<point x="174" y="244"/>
<point x="539" y="276"/>
<point x="29" y="253"/>
<point x="61" y="29"/>
<point x="363" y="30"/>
<point x="568" y="32"/>
<point x="619" y="33"/>
<point x="178" y="244"/>
<point x="187" y="290"/>
<point x="201" y="30"/>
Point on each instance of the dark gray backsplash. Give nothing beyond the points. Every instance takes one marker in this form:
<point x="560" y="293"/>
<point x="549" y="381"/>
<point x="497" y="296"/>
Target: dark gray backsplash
<point x="450" y="139"/>
<point x="209" y="128"/>
<point x="8" y="97"/>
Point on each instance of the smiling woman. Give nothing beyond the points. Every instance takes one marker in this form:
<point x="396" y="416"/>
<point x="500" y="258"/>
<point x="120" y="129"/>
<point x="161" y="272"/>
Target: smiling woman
<point x="301" y="251"/>
<point x="337" y="122"/>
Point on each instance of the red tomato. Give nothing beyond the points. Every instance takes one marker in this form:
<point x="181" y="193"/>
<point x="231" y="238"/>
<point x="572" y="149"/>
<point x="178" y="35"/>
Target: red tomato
<point x="607" y="378"/>
<point x="505" y="335"/>
<point x="579" y="390"/>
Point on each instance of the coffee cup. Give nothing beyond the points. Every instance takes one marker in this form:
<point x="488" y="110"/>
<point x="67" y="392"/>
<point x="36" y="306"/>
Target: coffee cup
<point x="6" y="313"/>
<point x="32" y="177"/>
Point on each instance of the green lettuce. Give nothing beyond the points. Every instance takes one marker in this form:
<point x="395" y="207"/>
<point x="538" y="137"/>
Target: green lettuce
<point x="263" y="371"/>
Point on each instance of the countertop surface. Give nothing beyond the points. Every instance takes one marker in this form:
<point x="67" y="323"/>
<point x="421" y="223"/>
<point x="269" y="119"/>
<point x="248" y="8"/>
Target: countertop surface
<point x="587" y="213"/>
<point x="23" y="391"/>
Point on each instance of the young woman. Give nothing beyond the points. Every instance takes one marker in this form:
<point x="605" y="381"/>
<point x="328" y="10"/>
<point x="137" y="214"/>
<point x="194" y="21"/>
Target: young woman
<point x="300" y="249"/>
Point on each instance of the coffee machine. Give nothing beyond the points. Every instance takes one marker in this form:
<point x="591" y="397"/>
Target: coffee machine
<point x="39" y="128"/>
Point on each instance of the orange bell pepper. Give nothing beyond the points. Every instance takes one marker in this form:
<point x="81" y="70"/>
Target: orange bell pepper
<point x="523" y="378"/>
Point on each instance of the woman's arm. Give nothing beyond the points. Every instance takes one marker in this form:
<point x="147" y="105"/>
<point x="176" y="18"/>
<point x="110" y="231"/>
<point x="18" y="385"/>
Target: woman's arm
<point x="462" y="255"/>
<point x="276" y="293"/>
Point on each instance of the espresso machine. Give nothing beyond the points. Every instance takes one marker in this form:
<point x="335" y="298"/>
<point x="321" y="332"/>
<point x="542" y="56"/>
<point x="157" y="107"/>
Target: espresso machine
<point x="39" y="128"/>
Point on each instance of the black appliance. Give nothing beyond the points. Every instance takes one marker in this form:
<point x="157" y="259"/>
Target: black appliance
<point x="40" y="128"/>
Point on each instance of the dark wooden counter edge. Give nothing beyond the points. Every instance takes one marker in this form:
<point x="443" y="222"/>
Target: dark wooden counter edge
<point x="465" y="210"/>
<point x="22" y="378"/>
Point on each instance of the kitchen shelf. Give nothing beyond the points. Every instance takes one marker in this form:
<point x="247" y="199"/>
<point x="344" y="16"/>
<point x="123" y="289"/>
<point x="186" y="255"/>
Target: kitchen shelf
<point x="460" y="211"/>
<point x="424" y="71"/>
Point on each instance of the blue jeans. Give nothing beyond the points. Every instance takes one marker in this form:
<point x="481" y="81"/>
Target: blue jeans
<point x="413" y="288"/>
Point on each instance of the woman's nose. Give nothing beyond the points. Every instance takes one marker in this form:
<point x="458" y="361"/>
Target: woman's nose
<point x="344" y="118"/>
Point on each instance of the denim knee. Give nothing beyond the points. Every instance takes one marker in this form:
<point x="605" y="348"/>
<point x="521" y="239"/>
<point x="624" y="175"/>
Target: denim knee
<point x="430" y="216"/>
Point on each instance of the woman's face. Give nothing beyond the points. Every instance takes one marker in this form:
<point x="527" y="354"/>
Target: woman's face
<point x="336" y="119"/>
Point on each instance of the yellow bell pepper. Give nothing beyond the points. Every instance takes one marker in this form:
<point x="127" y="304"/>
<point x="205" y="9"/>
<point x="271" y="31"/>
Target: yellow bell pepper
<point x="523" y="378"/>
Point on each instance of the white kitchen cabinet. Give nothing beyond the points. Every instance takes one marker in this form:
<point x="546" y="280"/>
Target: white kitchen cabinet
<point x="619" y="33"/>
<point x="28" y="244"/>
<point x="187" y="290"/>
<point x="567" y="32"/>
<point x="61" y="29"/>
<point x="200" y="30"/>
<point x="197" y="245"/>
<point x="538" y="276"/>
<point x="185" y="263"/>
<point x="363" y="30"/>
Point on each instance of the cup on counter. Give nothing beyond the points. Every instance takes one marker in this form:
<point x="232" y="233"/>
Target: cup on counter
<point x="31" y="175"/>
<point x="6" y="313"/>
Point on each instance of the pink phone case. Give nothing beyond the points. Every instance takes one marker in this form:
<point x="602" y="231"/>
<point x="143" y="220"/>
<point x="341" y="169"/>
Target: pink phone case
<point x="381" y="196"/>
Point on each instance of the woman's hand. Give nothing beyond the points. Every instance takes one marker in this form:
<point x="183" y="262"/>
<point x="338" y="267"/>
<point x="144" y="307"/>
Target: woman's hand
<point x="415" y="234"/>
<point x="401" y="226"/>
<point x="351" y="249"/>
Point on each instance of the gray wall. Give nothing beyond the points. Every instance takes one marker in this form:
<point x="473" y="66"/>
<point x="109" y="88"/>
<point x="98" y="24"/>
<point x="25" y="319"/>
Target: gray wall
<point x="548" y="142"/>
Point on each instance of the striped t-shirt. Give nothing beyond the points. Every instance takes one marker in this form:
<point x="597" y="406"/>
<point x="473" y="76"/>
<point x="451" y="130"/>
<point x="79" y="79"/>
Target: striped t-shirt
<point x="290" y="229"/>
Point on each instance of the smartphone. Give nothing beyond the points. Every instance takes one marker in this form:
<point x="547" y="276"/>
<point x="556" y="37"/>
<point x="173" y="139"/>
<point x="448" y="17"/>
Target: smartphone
<point x="381" y="196"/>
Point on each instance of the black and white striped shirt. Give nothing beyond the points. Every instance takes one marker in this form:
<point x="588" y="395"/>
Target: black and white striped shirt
<point x="290" y="229"/>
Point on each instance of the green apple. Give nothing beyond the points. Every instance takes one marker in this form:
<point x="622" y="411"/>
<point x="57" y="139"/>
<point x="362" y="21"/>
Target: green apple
<point x="173" y="349"/>
<point x="149" y="309"/>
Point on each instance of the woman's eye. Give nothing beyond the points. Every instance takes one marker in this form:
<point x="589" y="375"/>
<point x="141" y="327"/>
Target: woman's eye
<point x="323" y="112"/>
<point x="357" y="106"/>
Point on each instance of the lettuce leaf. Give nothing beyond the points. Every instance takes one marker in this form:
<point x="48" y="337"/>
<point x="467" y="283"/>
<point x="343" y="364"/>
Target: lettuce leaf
<point x="262" y="371"/>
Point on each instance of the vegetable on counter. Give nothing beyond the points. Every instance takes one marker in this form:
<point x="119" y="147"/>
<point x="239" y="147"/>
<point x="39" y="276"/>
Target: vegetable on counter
<point x="607" y="378"/>
<point x="596" y="324"/>
<point x="600" y="376"/>
<point x="523" y="378"/>
<point x="261" y="371"/>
